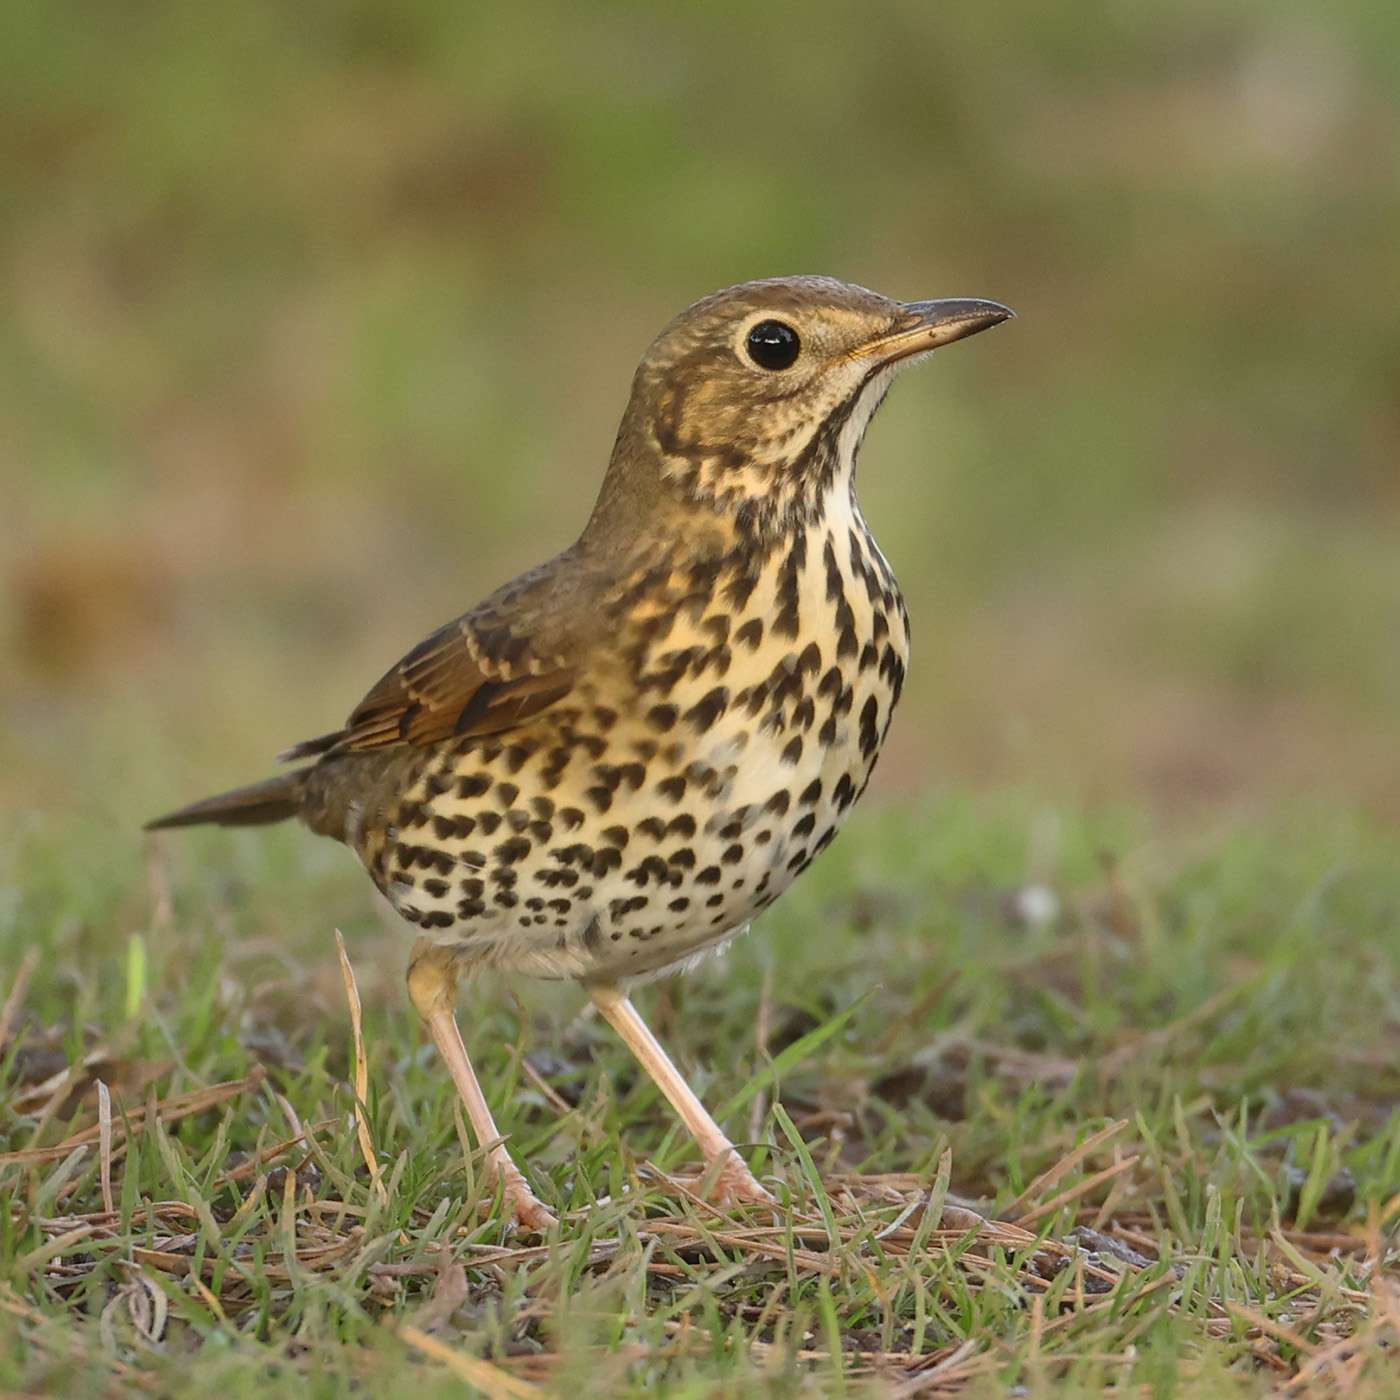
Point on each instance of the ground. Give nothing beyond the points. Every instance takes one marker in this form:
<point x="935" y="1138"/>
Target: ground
<point x="1049" y="1098"/>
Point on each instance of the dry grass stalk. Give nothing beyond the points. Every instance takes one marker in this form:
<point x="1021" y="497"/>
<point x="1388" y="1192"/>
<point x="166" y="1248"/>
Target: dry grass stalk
<point x="352" y="995"/>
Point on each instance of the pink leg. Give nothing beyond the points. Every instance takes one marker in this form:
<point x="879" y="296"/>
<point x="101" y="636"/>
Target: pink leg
<point x="734" y="1181"/>
<point x="432" y="985"/>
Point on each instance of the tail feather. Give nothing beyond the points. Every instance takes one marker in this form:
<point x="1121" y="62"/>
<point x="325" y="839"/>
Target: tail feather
<point x="274" y="800"/>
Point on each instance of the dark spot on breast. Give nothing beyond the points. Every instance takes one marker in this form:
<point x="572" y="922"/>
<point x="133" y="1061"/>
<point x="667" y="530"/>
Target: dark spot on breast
<point x="600" y="797"/>
<point x="662" y="717"/>
<point x="708" y="709"/>
<point x="732" y="854"/>
<point x="682" y="826"/>
<point x="679" y="906"/>
<point x="708" y="876"/>
<point x="803" y="826"/>
<point x="652" y="827"/>
<point x="835" y="584"/>
<point x="605" y="858"/>
<point x="778" y="803"/>
<point x="682" y="858"/>
<point x="673" y="788"/>
<point x="467" y="909"/>
<point x="793" y="750"/>
<point x="750" y="634"/>
<point x="436" y="888"/>
<point x="570" y="817"/>
<point x="488" y="822"/>
<point x="651" y="868"/>
<point x="717" y="625"/>
<point x="869" y="734"/>
<point x="474" y="786"/>
<point x="516" y="849"/>
<point x="739" y="589"/>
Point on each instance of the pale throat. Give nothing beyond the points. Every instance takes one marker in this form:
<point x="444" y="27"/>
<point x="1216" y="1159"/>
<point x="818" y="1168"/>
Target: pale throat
<point x="811" y="477"/>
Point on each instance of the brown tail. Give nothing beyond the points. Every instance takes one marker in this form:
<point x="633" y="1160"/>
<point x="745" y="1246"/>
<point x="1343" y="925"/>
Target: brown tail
<point x="272" y="801"/>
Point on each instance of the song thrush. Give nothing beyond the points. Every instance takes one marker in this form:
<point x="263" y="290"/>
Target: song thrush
<point x="610" y="766"/>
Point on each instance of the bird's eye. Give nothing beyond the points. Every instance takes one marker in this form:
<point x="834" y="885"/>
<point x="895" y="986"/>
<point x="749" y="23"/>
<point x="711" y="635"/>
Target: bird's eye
<point x="773" y="345"/>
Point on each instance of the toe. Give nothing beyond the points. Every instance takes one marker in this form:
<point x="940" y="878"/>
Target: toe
<point x="737" y="1184"/>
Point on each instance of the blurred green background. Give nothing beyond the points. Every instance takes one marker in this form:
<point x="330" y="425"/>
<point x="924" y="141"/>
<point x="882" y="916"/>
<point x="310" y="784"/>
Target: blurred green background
<point x="318" y="319"/>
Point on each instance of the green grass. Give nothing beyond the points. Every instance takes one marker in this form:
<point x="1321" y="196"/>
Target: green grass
<point x="898" y="1044"/>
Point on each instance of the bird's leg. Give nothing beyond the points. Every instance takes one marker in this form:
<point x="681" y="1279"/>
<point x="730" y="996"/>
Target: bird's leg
<point x="432" y="985"/>
<point x="734" y="1180"/>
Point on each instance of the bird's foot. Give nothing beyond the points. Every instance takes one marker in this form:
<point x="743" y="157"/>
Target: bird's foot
<point x="530" y="1212"/>
<point x="731" y="1183"/>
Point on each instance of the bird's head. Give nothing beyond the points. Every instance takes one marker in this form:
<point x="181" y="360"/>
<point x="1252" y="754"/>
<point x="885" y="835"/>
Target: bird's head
<point x="753" y="401"/>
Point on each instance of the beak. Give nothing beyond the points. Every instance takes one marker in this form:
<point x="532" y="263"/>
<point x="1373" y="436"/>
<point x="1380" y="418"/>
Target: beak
<point x="925" y="325"/>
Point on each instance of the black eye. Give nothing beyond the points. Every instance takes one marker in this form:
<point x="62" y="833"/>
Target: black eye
<point x="773" y="345"/>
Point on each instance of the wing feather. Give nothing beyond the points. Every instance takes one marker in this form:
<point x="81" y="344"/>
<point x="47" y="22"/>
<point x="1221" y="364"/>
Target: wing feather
<point x="469" y="678"/>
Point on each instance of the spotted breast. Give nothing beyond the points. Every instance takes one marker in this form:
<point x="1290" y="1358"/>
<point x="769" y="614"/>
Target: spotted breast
<point x="761" y="686"/>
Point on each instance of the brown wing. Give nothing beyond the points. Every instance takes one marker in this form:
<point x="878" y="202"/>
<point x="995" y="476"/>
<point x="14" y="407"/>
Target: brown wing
<point x="472" y="677"/>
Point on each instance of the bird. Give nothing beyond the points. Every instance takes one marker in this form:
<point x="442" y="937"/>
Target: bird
<point x="605" y="770"/>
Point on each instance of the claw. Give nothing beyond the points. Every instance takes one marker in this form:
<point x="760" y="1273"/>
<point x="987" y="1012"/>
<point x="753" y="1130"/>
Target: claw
<point x="530" y="1212"/>
<point x="735" y="1184"/>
